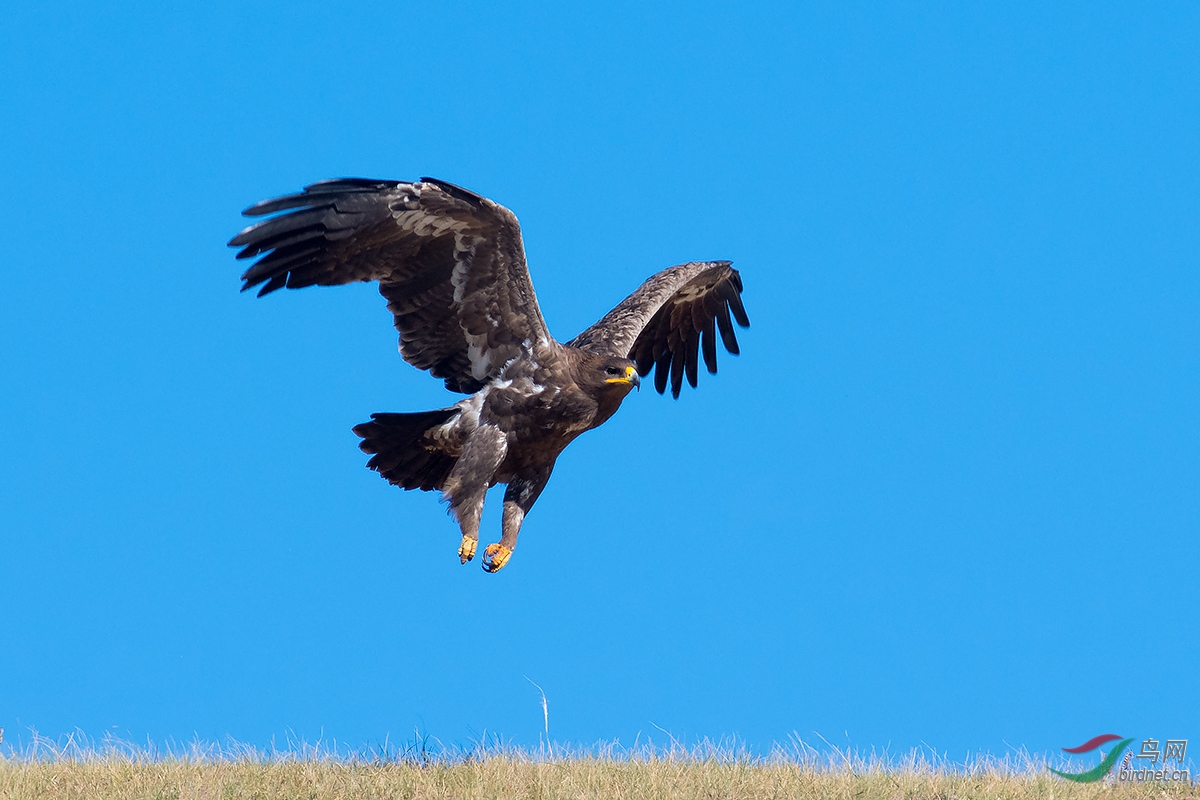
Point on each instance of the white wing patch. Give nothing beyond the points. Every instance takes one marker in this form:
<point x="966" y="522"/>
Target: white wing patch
<point x="478" y="353"/>
<point x="480" y="356"/>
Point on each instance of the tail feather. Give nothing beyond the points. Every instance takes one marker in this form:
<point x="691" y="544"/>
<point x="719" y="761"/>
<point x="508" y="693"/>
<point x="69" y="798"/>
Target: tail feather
<point x="402" y="452"/>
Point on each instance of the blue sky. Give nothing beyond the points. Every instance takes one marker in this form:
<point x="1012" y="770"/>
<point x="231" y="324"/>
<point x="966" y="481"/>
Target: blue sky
<point x="947" y="495"/>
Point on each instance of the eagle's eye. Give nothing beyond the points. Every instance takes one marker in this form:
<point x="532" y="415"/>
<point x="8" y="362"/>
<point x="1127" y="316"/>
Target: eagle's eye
<point x="615" y="371"/>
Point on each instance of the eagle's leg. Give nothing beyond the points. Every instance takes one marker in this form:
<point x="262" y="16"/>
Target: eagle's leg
<point x="522" y="493"/>
<point x="467" y="485"/>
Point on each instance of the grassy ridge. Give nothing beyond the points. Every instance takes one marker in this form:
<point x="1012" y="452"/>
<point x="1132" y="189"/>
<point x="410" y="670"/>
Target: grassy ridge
<point x="114" y="769"/>
<point x="510" y="776"/>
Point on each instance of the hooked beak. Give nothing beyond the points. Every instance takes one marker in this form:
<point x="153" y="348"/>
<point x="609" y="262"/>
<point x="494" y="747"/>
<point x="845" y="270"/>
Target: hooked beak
<point x="630" y="378"/>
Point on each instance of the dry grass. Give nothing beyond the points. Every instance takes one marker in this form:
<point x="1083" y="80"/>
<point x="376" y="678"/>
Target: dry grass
<point x="500" y="777"/>
<point x="124" y="772"/>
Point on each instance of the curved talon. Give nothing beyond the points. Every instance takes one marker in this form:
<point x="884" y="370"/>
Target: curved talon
<point x="466" y="550"/>
<point x="495" y="556"/>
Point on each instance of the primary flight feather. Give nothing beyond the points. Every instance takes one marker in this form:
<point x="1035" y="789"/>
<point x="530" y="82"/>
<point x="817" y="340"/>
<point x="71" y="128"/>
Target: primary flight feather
<point x="451" y="266"/>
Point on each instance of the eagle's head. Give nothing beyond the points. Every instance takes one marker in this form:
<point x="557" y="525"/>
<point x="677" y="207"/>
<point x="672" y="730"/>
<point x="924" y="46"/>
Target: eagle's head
<point x="606" y="380"/>
<point x="618" y="376"/>
<point x="622" y="374"/>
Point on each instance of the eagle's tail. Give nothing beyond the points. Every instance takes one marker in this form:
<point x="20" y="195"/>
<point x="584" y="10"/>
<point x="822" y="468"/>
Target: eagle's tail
<point x="401" y="451"/>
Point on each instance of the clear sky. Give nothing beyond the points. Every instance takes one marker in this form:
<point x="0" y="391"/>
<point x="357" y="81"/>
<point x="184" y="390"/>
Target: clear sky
<point x="947" y="495"/>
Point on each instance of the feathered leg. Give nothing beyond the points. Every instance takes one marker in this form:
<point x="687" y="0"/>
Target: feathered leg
<point x="468" y="483"/>
<point x="522" y="493"/>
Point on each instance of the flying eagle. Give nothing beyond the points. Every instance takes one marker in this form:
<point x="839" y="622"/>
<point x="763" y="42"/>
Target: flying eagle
<point x="451" y="266"/>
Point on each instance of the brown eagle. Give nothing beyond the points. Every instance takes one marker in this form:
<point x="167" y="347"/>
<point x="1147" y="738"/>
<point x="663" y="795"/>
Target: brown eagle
<point x="451" y="266"/>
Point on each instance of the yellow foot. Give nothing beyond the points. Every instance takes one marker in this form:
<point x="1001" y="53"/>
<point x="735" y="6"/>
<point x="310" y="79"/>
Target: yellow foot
<point x="466" y="550"/>
<point x="495" y="556"/>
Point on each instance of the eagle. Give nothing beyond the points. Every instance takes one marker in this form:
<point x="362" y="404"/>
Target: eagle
<point x="451" y="265"/>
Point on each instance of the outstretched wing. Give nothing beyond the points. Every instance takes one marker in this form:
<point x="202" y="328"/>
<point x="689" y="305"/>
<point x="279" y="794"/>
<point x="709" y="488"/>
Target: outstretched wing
<point x="670" y="320"/>
<point x="450" y="263"/>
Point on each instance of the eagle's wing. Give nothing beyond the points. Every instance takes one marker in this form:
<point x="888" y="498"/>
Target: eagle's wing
<point x="449" y="262"/>
<point x="670" y="320"/>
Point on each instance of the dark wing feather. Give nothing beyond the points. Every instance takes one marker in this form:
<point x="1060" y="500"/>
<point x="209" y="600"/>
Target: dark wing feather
<point x="671" y="320"/>
<point x="450" y="263"/>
